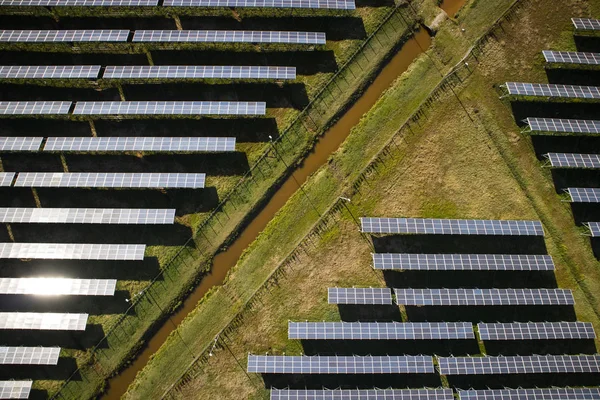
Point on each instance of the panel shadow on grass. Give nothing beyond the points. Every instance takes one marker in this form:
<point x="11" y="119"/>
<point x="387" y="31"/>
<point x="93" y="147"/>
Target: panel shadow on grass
<point x="117" y="23"/>
<point x="389" y="347"/>
<point x="306" y="62"/>
<point x="64" y="369"/>
<point x="38" y="394"/>
<point x="470" y="279"/>
<point x="94" y="305"/>
<point x="524" y="109"/>
<point x="573" y="76"/>
<point x="289" y="95"/>
<point x="570" y="143"/>
<point x="51" y="58"/>
<point x="470" y="244"/>
<point x="244" y="130"/>
<point x="43" y="127"/>
<point x="585" y="212"/>
<point x="369" y="313"/>
<point x="185" y="201"/>
<point x="81" y="340"/>
<point x="574" y="177"/>
<point x="477" y="314"/>
<point x="595" y="243"/>
<point x="525" y="347"/>
<point x="375" y="3"/>
<point x="32" y="162"/>
<point x="587" y="43"/>
<point x="335" y="28"/>
<point x="4" y="236"/>
<point x="16" y="197"/>
<point x="27" y="22"/>
<point x="212" y="164"/>
<point x="522" y="380"/>
<point x="151" y="235"/>
<point x="33" y="92"/>
<point x="143" y="270"/>
<point x="350" y="381"/>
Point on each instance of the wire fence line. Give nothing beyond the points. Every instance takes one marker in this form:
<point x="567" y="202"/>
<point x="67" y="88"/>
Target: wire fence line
<point x="122" y="340"/>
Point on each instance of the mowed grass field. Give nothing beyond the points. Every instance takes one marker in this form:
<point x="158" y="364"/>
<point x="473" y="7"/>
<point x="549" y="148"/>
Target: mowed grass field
<point x="463" y="159"/>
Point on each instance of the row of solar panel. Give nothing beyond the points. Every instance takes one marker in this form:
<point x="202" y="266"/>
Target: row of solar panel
<point x="110" y="144"/>
<point x="72" y="251"/>
<point x="137" y="180"/>
<point x="322" y="4"/>
<point x="439" y="330"/>
<point x="118" y="216"/>
<point x="160" y="36"/>
<point x="451" y="297"/>
<point x="145" y="72"/>
<point x="58" y="286"/>
<point x="423" y="364"/>
<point x="467" y="262"/>
<point x="553" y="90"/>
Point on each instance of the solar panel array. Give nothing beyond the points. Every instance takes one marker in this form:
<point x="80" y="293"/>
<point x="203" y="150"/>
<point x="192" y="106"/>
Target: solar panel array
<point x="571" y="57"/>
<point x="20" y="143"/>
<point x="572" y="160"/>
<point x="483" y="297"/>
<point x="362" y="394"/>
<point x="43" y="321"/>
<point x="62" y="36"/>
<point x="553" y="90"/>
<point x="6" y="178"/>
<point x="193" y="36"/>
<point x="586" y="24"/>
<point x="594" y="228"/>
<point x="536" y="330"/>
<point x="34" y="107"/>
<point x="519" y="365"/>
<point x="529" y="394"/>
<point x="584" y="195"/>
<point x="29" y="355"/>
<point x="111" y="180"/>
<point x="72" y="251"/>
<point x="380" y="296"/>
<point x="58" y="286"/>
<point x="451" y="226"/>
<point x="143" y="216"/>
<point x="49" y="71"/>
<point x="563" y="125"/>
<point x="170" y="108"/>
<point x="323" y="4"/>
<point x="198" y="72"/>
<point x="106" y="144"/>
<point x="380" y="330"/>
<point x="340" y="364"/>
<point x="15" y="389"/>
<point x="76" y="3"/>
<point x="466" y="262"/>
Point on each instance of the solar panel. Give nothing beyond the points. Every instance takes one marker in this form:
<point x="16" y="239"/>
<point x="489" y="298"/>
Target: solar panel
<point x="362" y="394"/>
<point x="571" y="57"/>
<point x="323" y="4"/>
<point x="340" y="364"/>
<point x="563" y="125"/>
<point x="58" y="286"/>
<point x="15" y="389"/>
<point x="553" y="90"/>
<point x="529" y="394"/>
<point x="192" y="36"/>
<point x="53" y="36"/>
<point x="198" y="72"/>
<point x="43" y="321"/>
<point x="143" y="216"/>
<point x="6" y="178"/>
<point x="20" y="143"/>
<point x="34" y="107"/>
<point x="359" y="296"/>
<point x="519" y="365"/>
<point x="49" y="71"/>
<point x="584" y="195"/>
<point x="380" y="330"/>
<point x="72" y="251"/>
<point x="536" y="330"/>
<point x="594" y="228"/>
<point x="451" y="226"/>
<point x="460" y="262"/>
<point x="29" y="355"/>
<point x="107" y="144"/>
<point x="586" y="24"/>
<point x="75" y="3"/>
<point x="170" y="108"/>
<point x="483" y="297"/>
<point x="571" y="160"/>
<point x="111" y="180"/>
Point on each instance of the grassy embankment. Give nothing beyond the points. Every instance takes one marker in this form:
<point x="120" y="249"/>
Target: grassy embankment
<point x="458" y="179"/>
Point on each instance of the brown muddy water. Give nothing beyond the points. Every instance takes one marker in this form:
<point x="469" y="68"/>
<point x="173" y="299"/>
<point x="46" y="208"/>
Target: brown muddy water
<point x="224" y="261"/>
<point x="452" y="6"/>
